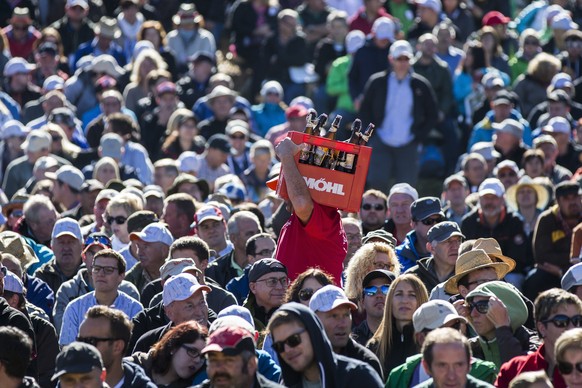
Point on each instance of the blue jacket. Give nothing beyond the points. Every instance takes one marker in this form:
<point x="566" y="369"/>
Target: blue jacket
<point x="267" y="116"/>
<point x="483" y="130"/>
<point x="39" y="293"/>
<point x="406" y="252"/>
<point x="43" y="253"/>
<point x="134" y="376"/>
<point x="239" y="286"/>
<point x="89" y="48"/>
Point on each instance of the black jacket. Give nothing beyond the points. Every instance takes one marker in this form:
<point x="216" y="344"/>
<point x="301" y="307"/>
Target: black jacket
<point x="135" y="377"/>
<point x="521" y="342"/>
<point x="359" y="352"/>
<point x="260" y="382"/>
<point x="221" y="271"/>
<point x="426" y="273"/>
<point x="12" y="317"/>
<point x="146" y="320"/>
<point x="403" y="346"/>
<point x="336" y="371"/>
<point x="424" y="109"/>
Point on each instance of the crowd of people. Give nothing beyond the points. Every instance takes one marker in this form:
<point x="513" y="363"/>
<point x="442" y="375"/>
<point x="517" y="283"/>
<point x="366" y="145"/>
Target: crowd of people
<point x="142" y="244"/>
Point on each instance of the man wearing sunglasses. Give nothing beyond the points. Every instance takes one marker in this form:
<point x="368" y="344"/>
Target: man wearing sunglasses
<point x="376" y="285"/>
<point x="108" y="271"/>
<point x="334" y="310"/>
<point x="497" y="313"/>
<point x="425" y="213"/>
<point x="430" y="316"/>
<point x="493" y="219"/>
<point x="556" y="311"/>
<point x="306" y="355"/>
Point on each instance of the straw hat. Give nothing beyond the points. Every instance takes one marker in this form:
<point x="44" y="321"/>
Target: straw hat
<point x="108" y="28"/>
<point x="471" y="261"/>
<point x="526" y="181"/>
<point x="17" y="202"/>
<point x="13" y="243"/>
<point x="493" y="250"/>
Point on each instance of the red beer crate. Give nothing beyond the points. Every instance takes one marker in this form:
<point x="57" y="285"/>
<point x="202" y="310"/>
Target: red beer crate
<point x="329" y="187"/>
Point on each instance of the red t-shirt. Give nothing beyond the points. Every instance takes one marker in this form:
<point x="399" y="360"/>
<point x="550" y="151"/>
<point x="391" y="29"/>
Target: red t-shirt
<point x="321" y="243"/>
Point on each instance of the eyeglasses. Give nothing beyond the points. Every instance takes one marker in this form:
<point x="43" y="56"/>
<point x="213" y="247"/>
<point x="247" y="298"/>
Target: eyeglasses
<point x="431" y="221"/>
<point x="192" y="352"/>
<point x="98" y="240"/>
<point x="292" y="341"/>
<point x="479" y="282"/>
<point x="119" y="220"/>
<point x="306" y="294"/>
<point x="562" y="321"/>
<point x="237" y="137"/>
<point x="265" y="252"/>
<point x="106" y="270"/>
<point x="386" y="266"/>
<point x="373" y="290"/>
<point x="378" y="207"/>
<point x="272" y="282"/>
<point x="566" y="368"/>
<point x="482" y="306"/>
<point x="95" y="340"/>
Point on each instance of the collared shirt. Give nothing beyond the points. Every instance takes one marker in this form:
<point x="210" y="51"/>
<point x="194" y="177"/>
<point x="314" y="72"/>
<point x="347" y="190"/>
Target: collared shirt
<point x="76" y="310"/>
<point x="239" y="270"/>
<point x="229" y="248"/>
<point x="395" y="129"/>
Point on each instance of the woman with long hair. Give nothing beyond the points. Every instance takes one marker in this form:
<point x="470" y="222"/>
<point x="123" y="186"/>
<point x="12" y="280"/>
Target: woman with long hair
<point x="153" y="31"/>
<point x="493" y="50"/>
<point x="146" y="61"/>
<point x="306" y="284"/>
<point x="182" y="135"/>
<point x="393" y="342"/>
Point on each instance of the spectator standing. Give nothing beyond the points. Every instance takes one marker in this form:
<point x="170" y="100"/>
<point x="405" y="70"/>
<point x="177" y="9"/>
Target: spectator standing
<point x="21" y="34"/>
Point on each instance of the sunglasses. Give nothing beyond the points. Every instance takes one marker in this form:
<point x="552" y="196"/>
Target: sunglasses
<point x="479" y="282"/>
<point x="104" y="240"/>
<point x="106" y="270"/>
<point x="482" y="306"/>
<point x="373" y="290"/>
<point x="566" y="368"/>
<point x="306" y="294"/>
<point x="16" y="213"/>
<point x="292" y="341"/>
<point x="562" y="321"/>
<point x="192" y="352"/>
<point x="431" y="221"/>
<point x="119" y="220"/>
<point x="378" y="207"/>
<point x="94" y="340"/>
<point x="237" y="137"/>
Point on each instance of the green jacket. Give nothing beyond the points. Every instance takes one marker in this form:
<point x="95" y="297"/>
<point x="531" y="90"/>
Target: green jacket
<point x="472" y="382"/>
<point x="401" y="376"/>
<point x="337" y="83"/>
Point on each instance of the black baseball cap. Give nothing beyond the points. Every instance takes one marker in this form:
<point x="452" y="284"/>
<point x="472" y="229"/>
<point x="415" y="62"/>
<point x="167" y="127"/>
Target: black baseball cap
<point x="77" y="357"/>
<point x="443" y="231"/>
<point x="425" y="207"/>
<point x="378" y="273"/>
<point x="265" y="266"/>
<point x="219" y="141"/>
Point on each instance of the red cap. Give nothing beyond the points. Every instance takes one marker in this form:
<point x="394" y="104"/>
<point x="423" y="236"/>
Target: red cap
<point x="494" y="18"/>
<point x="230" y="340"/>
<point x="295" y="111"/>
<point x="166" y="87"/>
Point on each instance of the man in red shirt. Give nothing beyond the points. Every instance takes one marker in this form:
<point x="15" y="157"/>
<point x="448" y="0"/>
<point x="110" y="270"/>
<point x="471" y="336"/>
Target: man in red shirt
<point x="314" y="235"/>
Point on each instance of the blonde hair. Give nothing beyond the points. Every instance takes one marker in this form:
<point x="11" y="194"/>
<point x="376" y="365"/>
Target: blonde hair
<point x="103" y="162"/>
<point x="362" y="262"/>
<point x="544" y="67"/>
<point x="568" y="340"/>
<point x="67" y="146"/>
<point x="153" y="56"/>
<point x="131" y="203"/>
<point x="383" y="336"/>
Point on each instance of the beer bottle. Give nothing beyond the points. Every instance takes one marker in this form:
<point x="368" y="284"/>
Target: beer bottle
<point x="323" y="155"/>
<point x="346" y="160"/>
<point x="321" y="120"/>
<point x="365" y="137"/>
<point x="309" y="125"/>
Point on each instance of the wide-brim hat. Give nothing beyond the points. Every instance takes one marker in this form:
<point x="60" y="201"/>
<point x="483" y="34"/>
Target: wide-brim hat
<point x="493" y="250"/>
<point x="471" y="261"/>
<point x="17" y="202"/>
<point x="526" y="181"/>
<point x="187" y="14"/>
<point x="108" y="28"/>
<point x="221" y="91"/>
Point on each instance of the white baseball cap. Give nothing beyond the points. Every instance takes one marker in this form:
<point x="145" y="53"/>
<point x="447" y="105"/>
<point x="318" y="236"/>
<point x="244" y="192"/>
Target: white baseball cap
<point x="401" y="48"/>
<point x="403" y="188"/>
<point x="13" y="284"/>
<point x="67" y="226"/>
<point x="18" y="65"/>
<point x="435" y="5"/>
<point x="434" y="314"/>
<point x="13" y="128"/>
<point x="384" y="28"/>
<point x="491" y="186"/>
<point x="68" y="174"/>
<point x="354" y="40"/>
<point x="37" y="140"/>
<point x="154" y="232"/>
<point x="174" y="267"/>
<point x="558" y="125"/>
<point x="181" y="287"/>
<point x="329" y="297"/>
<point x="188" y="161"/>
<point x="572" y="277"/>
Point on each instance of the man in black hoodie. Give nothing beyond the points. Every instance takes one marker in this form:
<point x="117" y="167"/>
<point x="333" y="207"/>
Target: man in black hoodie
<point x="109" y="330"/>
<point x="306" y="356"/>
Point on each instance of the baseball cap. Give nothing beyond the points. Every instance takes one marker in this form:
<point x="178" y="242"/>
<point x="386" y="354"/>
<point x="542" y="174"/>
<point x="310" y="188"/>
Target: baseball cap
<point x="36" y="141"/>
<point x="77" y="357"/>
<point x="572" y="277"/>
<point x="237" y="311"/>
<point x="265" y="266"/>
<point x="502" y="97"/>
<point x="443" y="231"/>
<point x="485" y="149"/>
<point x="234" y="191"/>
<point x="435" y="5"/>
<point x="236" y="126"/>
<point x="491" y="186"/>
<point x="557" y="125"/>
<point x="506" y="164"/>
<point x="231" y="321"/>
<point x="434" y="314"/>
<point x="230" y="340"/>
<point x="106" y="194"/>
<point x="70" y="175"/>
<point x="80" y="3"/>
<point x="492" y="79"/>
<point x="111" y="145"/>
<point x="67" y="226"/>
<point x="403" y="188"/>
<point x="380" y="234"/>
<point x="567" y="188"/>
<point x="166" y="87"/>
<point x="200" y="56"/>
<point x="181" y="287"/>
<point x="455" y="178"/>
<point x="207" y="212"/>
<point x="563" y="21"/>
<point x="220" y="142"/>
<point x="376" y="274"/>
<point x="544" y="139"/>
<point x="425" y="207"/>
<point x="328" y="298"/>
<point x="493" y="18"/>
<point x="18" y="65"/>
<point x="384" y="28"/>
<point x="188" y="161"/>
<point x="91" y="185"/>
<point x="401" y="48"/>
<point x="13" y="284"/>
<point x="295" y="111"/>
<point x="559" y="95"/>
<point x="272" y="87"/>
<point x="561" y="80"/>
<point x="354" y="41"/>
<point x="53" y="82"/>
<point x="48" y="48"/>
<point x="511" y="126"/>
<point x="174" y="267"/>
<point x="154" y="232"/>
<point x="13" y="128"/>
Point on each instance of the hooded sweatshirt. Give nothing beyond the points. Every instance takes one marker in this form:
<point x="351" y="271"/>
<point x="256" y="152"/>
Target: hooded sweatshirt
<point x="336" y="371"/>
<point x="509" y="341"/>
